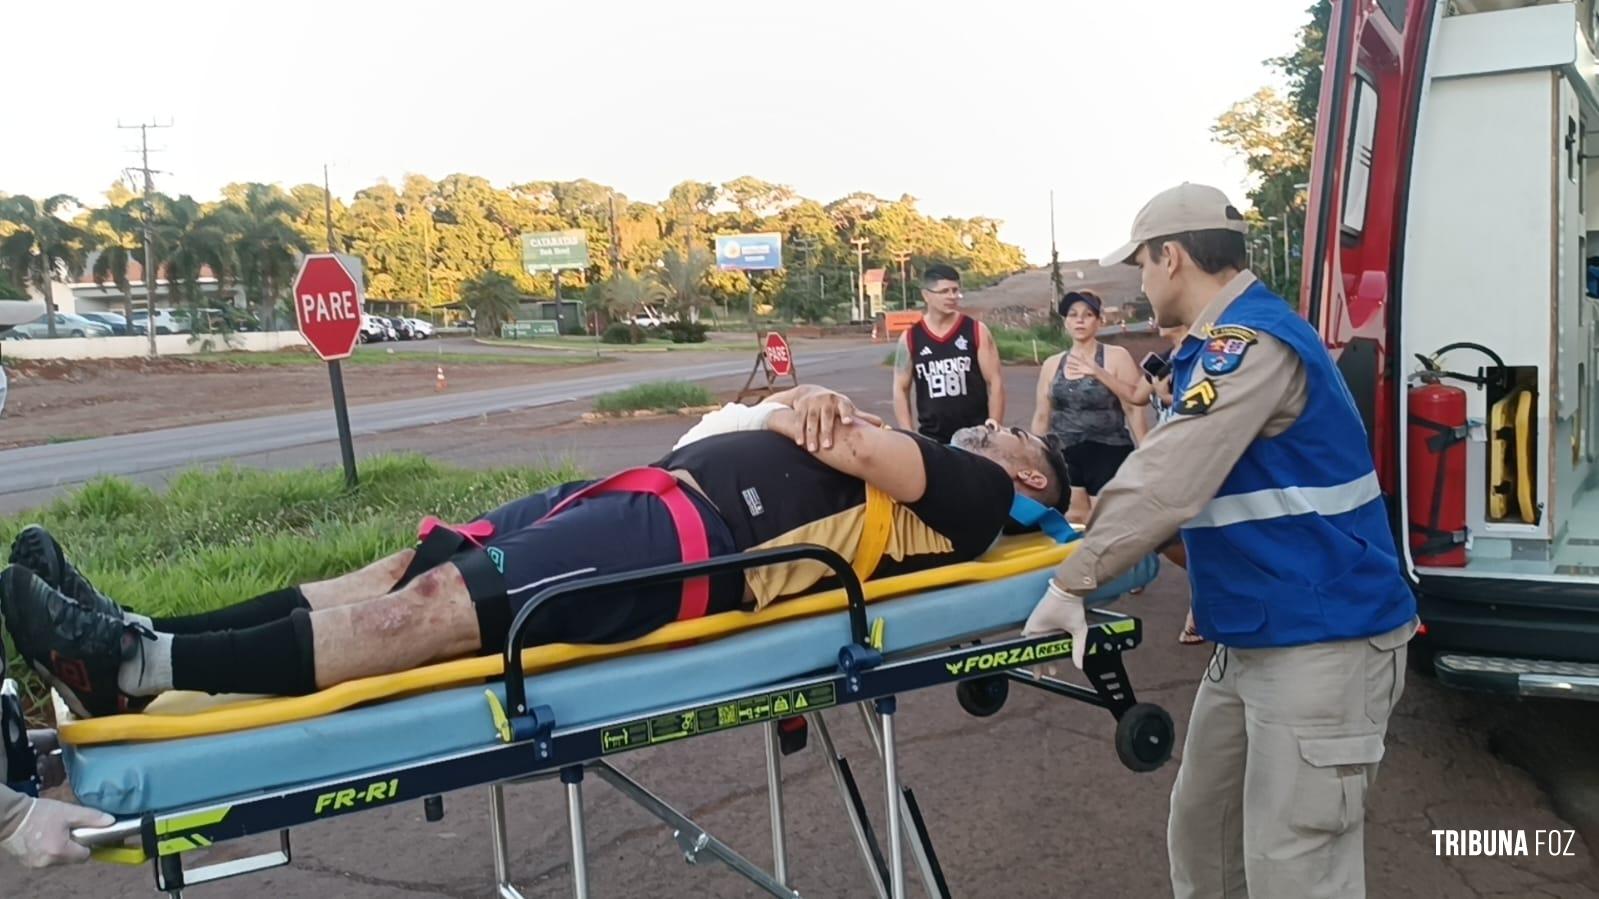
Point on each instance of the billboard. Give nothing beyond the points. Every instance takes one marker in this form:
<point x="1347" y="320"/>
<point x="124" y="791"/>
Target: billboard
<point x="548" y="251"/>
<point x="749" y="252"/>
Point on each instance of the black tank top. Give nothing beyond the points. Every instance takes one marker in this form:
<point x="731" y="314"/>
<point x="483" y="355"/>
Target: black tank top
<point x="950" y="390"/>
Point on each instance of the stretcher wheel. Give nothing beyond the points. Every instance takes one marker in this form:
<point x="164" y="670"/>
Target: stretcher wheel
<point x="1144" y="737"/>
<point x="983" y="696"/>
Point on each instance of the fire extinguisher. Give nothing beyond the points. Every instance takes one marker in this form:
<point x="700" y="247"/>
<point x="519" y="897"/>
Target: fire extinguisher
<point x="1436" y="460"/>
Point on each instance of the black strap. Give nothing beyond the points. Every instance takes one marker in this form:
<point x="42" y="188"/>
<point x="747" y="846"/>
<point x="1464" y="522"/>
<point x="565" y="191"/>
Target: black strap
<point x="432" y="551"/>
<point x="1438" y="540"/>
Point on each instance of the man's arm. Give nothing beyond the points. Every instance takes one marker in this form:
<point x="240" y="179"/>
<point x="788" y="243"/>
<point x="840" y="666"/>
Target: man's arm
<point x="888" y="460"/>
<point x="902" y="383"/>
<point x="1041" y="400"/>
<point x="1126" y="373"/>
<point x="993" y="373"/>
<point x="1169" y="479"/>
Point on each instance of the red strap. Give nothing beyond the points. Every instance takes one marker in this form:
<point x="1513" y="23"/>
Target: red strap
<point x="694" y="544"/>
<point x="477" y="532"/>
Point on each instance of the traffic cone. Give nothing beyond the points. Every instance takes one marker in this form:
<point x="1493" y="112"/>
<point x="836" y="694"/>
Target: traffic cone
<point x="438" y="382"/>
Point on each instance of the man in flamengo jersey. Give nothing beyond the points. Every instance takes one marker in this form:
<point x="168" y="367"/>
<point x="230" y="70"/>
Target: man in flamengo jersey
<point x="951" y="360"/>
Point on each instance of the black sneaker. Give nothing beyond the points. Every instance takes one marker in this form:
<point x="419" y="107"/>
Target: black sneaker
<point x="35" y="549"/>
<point x="74" y="648"/>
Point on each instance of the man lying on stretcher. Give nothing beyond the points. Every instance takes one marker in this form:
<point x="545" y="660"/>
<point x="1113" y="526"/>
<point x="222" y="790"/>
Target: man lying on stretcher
<point x="804" y="467"/>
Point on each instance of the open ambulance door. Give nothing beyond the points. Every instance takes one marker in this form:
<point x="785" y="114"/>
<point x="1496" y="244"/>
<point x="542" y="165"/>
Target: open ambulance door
<point x="1354" y="224"/>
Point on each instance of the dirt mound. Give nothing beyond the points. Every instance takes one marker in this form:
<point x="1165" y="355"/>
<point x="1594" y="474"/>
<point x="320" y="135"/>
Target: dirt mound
<point x="81" y="370"/>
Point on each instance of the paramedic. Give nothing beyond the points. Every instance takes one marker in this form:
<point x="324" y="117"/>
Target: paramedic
<point x="1265" y="469"/>
<point x="948" y="363"/>
<point x="803" y="467"/>
<point x="38" y="832"/>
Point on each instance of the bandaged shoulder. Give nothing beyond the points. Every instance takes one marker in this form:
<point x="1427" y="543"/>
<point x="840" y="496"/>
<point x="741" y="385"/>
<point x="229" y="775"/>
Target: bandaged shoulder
<point x="730" y="418"/>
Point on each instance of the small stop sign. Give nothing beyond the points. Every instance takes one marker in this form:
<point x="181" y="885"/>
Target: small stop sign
<point x="778" y="355"/>
<point x="327" y="306"/>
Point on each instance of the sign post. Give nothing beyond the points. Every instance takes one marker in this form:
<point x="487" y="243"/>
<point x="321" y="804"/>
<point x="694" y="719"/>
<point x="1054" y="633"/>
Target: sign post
<point x="551" y="251"/>
<point x="776" y="359"/>
<point x="327" y="310"/>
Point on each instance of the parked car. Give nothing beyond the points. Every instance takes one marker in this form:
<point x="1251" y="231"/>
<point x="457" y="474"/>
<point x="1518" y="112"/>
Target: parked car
<point x="115" y="320"/>
<point x="423" y="330"/>
<point x="166" y="322"/>
<point x="67" y="325"/>
<point x="375" y="329"/>
<point x="402" y="327"/>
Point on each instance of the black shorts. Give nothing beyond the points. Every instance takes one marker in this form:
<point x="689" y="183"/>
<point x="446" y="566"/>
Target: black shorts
<point x="597" y="535"/>
<point x="1094" y="464"/>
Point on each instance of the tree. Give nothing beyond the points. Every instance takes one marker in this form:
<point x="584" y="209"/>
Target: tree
<point x="626" y="293"/>
<point x="116" y="232"/>
<point x="1276" y="135"/>
<point x="683" y="275"/>
<point x="190" y="240"/>
<point x="41" y="245"/>
<point x="493" y="298"/>
<point x="257" y="220"/>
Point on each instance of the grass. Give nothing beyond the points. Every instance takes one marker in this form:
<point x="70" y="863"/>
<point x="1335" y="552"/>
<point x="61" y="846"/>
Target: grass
<point x="1017" y="345"/>
<point x="657" y="396"/>
<point x="589" y="344"/>
<point x="217" y="537"/>
<point x="290" y="358"/>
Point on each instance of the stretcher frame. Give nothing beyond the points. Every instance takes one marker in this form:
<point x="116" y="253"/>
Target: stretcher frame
<point x="534" y="747"/>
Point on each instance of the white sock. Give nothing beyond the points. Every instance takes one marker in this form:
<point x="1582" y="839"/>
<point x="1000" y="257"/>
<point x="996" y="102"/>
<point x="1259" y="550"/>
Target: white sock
<point x="136" y="618"/>
<point x="148" y="671"/>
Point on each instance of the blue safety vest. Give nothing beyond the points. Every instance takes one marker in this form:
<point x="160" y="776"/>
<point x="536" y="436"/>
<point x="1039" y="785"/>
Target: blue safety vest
<point x="1295" y="547"/>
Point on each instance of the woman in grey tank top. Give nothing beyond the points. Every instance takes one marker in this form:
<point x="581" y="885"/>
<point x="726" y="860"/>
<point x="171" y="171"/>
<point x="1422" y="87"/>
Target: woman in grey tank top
<point x="1096" y="429"/>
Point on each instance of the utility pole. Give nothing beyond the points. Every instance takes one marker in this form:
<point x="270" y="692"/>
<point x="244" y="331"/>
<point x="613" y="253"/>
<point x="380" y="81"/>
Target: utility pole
<point x="327" y="205"/>
<point x="616" y="238"/>
<point x="901" y="258"/>
<point x="149" y="217"/>
<point x="1287" y="266"/>
<point x="1271" y="255"/>
<point x="860" y="277"/>
<point x="1055" y="279"/>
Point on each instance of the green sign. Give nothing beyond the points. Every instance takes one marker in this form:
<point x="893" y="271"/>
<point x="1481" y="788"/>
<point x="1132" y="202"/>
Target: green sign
<point x="549" y="251"/>
<point x="521" y="330"/>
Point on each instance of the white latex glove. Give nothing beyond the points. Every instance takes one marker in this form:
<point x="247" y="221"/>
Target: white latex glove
<point x="44" y="837"/>
<point x="728" y="419"/>
<point x="1060" y="611"/>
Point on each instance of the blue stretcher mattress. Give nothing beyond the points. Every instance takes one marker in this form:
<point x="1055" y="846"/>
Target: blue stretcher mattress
<point x="134" y="778"/>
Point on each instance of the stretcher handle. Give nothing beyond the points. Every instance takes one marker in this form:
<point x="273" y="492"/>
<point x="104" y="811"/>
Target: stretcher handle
<point x="515" y="690"/>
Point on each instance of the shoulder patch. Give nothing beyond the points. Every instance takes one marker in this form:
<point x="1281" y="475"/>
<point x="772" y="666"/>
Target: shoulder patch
<point x="1225" y="347"/>
<point x="1196" y="400"/>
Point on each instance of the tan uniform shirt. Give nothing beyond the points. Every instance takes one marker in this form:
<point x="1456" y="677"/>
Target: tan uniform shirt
<point x="1183" y="462"/>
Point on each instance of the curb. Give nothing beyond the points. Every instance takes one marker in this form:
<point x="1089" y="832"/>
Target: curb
<point x="647" y="413"/>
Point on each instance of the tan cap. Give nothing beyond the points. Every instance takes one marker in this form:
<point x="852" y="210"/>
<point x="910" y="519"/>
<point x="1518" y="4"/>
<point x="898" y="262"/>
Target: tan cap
<point x="1186" y="207"/>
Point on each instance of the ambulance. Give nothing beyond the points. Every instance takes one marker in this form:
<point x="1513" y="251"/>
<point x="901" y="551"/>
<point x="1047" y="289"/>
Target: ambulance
<point x="1452" y="212"/>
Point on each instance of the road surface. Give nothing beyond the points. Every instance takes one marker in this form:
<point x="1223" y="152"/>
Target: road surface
<point x="31" y="474"/>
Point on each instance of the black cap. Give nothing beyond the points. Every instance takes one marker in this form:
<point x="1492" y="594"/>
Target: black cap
<point x="1074" y="297"/>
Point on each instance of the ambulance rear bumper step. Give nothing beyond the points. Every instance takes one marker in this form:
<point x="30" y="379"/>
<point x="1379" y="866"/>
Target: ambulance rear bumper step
<point x="1519" y="677"/>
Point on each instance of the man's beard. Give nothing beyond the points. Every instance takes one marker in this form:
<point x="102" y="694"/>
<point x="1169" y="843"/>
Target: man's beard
<point x="972" y="439"/>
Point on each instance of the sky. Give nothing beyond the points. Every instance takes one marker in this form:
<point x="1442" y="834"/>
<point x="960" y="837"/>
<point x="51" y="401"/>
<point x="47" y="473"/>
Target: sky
<point x="973" y="108"/>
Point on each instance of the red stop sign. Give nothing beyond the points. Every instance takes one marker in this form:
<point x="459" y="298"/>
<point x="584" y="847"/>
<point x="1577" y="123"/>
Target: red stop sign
<point x="327" y="305"/>
<point x="778" y="355"/>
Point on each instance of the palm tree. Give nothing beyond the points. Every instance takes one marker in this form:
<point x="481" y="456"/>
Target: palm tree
<point x="626" y="292"/>
<point x="187" y="239"/>
<point x="683" y="275"/>
<point x="493" y="298"/>
<point x="41" y="246"/>
<point x="115" y="232"/>
<point x="265" y="243"/>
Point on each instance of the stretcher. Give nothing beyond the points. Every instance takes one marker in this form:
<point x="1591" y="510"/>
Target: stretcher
<point x="186" y="780"/>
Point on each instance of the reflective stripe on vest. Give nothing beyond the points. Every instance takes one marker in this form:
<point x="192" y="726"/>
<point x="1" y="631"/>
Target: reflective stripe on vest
<point x="1281" y="502"/>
